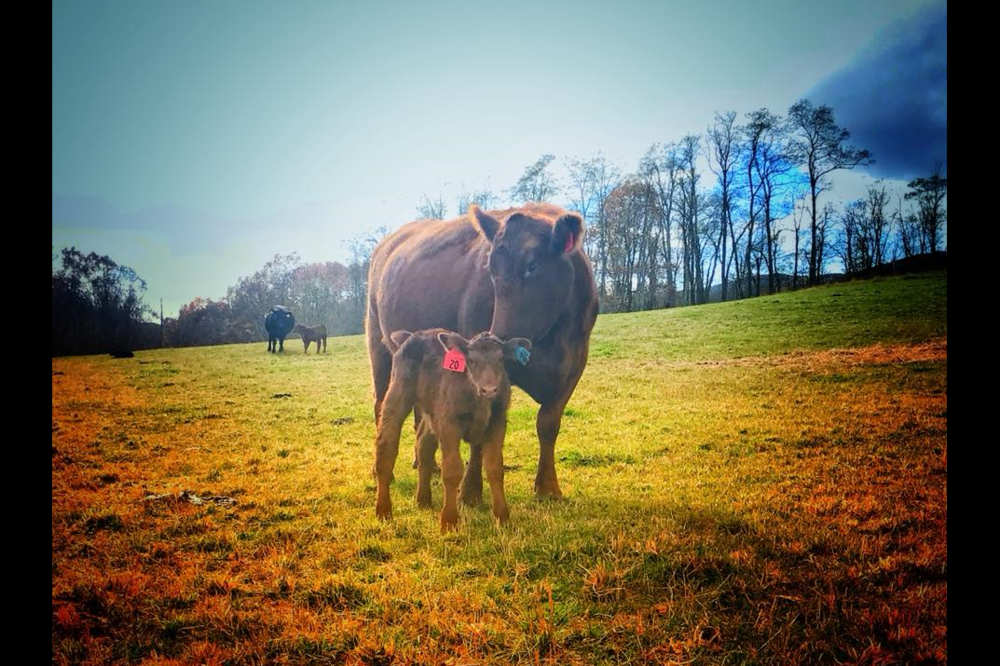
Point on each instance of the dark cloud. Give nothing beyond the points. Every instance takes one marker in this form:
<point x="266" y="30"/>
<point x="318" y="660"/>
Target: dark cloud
<point x="893" y="97"/>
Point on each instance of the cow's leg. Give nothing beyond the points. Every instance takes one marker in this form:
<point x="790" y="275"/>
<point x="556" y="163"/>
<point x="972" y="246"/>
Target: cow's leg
<point x="451" y="475"/>
<point x="493" y="461"/>
<point x="324" y="345"/>
<point x="281" y="343"/>
<point x="395" y="408"/>
<point x="472" y="482"/>
<point x="549" y="419"/>
<point x="426" y="447"/>
<point x="381" y="361"/>
<point x="548" y="422"/>
<point x="305" y="345"/>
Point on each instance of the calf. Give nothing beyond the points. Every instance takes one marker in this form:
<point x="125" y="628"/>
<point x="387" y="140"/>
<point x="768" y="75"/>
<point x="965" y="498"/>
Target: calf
<point x="311" y="334"/>
<point x="460" y="390"/>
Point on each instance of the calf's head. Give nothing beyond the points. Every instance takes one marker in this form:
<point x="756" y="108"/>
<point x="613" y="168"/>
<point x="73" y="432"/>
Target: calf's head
<point x="484" y="358"/>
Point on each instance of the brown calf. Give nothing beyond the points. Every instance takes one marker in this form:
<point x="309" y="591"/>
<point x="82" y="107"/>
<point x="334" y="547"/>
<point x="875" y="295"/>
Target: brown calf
<point x="310" y="334"/>
<point x="463" y="394"/>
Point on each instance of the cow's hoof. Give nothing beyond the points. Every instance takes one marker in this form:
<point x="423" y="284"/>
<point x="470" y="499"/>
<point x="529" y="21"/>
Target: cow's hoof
<point x="471" y="497"/>
<point x="548" y="491"/>
<point x="424" y="499"/>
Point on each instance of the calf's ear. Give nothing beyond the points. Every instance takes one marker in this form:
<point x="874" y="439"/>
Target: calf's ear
<point x="567" y="233"/>
<point x="451" y="341"/>
<point x="485" y="222"/>
<point x="399" y="337"/>
<point x="510" y="347"/>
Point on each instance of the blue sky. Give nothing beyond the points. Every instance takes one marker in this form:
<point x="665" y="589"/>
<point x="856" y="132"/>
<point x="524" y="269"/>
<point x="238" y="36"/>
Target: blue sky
<point x="192" y="141"/>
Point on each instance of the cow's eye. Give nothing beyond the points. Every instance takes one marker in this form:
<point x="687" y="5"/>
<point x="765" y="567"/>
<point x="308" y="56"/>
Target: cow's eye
<point x="532" y="267"/>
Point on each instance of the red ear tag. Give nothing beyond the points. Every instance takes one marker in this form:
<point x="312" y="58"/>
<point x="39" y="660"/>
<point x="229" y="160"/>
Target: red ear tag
<point x="454" y="361"/>
<point x="570" y="241"/>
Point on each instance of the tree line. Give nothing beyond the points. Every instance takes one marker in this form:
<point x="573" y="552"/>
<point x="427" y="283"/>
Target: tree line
<point x="97" y="305"/>
<point x="658" y="237"/>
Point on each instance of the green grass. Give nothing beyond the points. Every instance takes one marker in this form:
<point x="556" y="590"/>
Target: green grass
<point x="760" y="481"/>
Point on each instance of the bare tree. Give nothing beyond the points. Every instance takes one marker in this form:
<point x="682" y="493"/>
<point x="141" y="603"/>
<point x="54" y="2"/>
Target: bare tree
<point x="582" y="185"/>
<point x="690" y="204"/>
<point x="798" y="215"/>
<point x="877" y="221"/>
<point x="770" y="164"/>
<point x="432" y="209"/>
<point x="910" y="239"/>
<point x="929" y="193"/>
<point x="592" y="181"/>
<point x="819" y="144"/>
<point x="846" y="246"/>
<point x="723" y="157"/>
<point x="536" y="183"/>
<point x="484" y="198"/>
<point x="661" y="168"/>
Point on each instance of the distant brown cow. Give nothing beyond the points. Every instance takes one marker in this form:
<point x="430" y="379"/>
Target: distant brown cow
<point x="310" y="334"/>
<point x="518" y="272"/>
<point x="463" y="394"/>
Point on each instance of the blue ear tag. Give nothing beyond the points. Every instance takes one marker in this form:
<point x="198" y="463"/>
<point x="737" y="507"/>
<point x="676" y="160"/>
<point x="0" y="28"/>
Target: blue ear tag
<point x="522" y="355"/>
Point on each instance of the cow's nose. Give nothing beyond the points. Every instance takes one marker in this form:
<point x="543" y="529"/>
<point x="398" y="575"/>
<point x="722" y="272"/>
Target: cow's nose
<point x="488" y="391"/>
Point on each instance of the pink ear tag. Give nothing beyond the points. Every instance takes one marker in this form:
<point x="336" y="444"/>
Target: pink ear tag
<point x="570" y="241"/>
<point x="454" y="361"/>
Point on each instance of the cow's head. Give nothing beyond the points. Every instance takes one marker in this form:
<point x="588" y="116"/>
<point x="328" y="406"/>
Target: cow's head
<point x="531" y="270"/>
<point x="484" y="358"/>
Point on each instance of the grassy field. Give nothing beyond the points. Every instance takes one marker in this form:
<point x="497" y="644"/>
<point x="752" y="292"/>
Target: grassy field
<point x="754" y="482"/>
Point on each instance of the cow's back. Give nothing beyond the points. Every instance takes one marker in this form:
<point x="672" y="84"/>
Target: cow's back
<point x="431" y="274"/>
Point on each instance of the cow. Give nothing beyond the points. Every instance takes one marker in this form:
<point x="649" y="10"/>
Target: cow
<point x="278" y="323"/>
<point x="310" y="334"/>
<point x="462" y="392"/>
<point x="520" y="272"/>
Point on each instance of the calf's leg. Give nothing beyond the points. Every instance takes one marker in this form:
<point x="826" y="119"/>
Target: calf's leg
<point x="451" y="475"/>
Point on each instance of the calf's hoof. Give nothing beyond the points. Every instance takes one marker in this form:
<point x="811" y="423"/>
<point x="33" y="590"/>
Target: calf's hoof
<point x="449" y="520"/>
<point x="502" y="515"/>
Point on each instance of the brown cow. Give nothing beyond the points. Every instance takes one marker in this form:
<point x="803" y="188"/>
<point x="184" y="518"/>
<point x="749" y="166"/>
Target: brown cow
<point x="461" y="395"/>
<point x="310" y="334"/>
<point x="518" y="272"/>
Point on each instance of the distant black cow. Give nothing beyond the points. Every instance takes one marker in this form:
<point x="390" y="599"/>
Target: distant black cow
<point x="278" y="323"/>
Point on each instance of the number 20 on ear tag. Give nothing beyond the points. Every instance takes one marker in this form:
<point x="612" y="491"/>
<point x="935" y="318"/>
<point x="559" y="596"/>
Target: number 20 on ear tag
<point x="454" y="361"/>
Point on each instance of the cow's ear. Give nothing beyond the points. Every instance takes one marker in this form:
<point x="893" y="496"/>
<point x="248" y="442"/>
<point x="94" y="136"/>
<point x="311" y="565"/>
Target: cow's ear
<point x="567" y="233"/>
<point x="399" y="337"/>
<point x="485" y="222"/>
<point x="451" y="341"/>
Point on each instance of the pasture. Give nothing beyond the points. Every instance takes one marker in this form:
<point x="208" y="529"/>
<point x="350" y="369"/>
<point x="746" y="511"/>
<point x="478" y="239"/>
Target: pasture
<point x="754" y="482"/>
